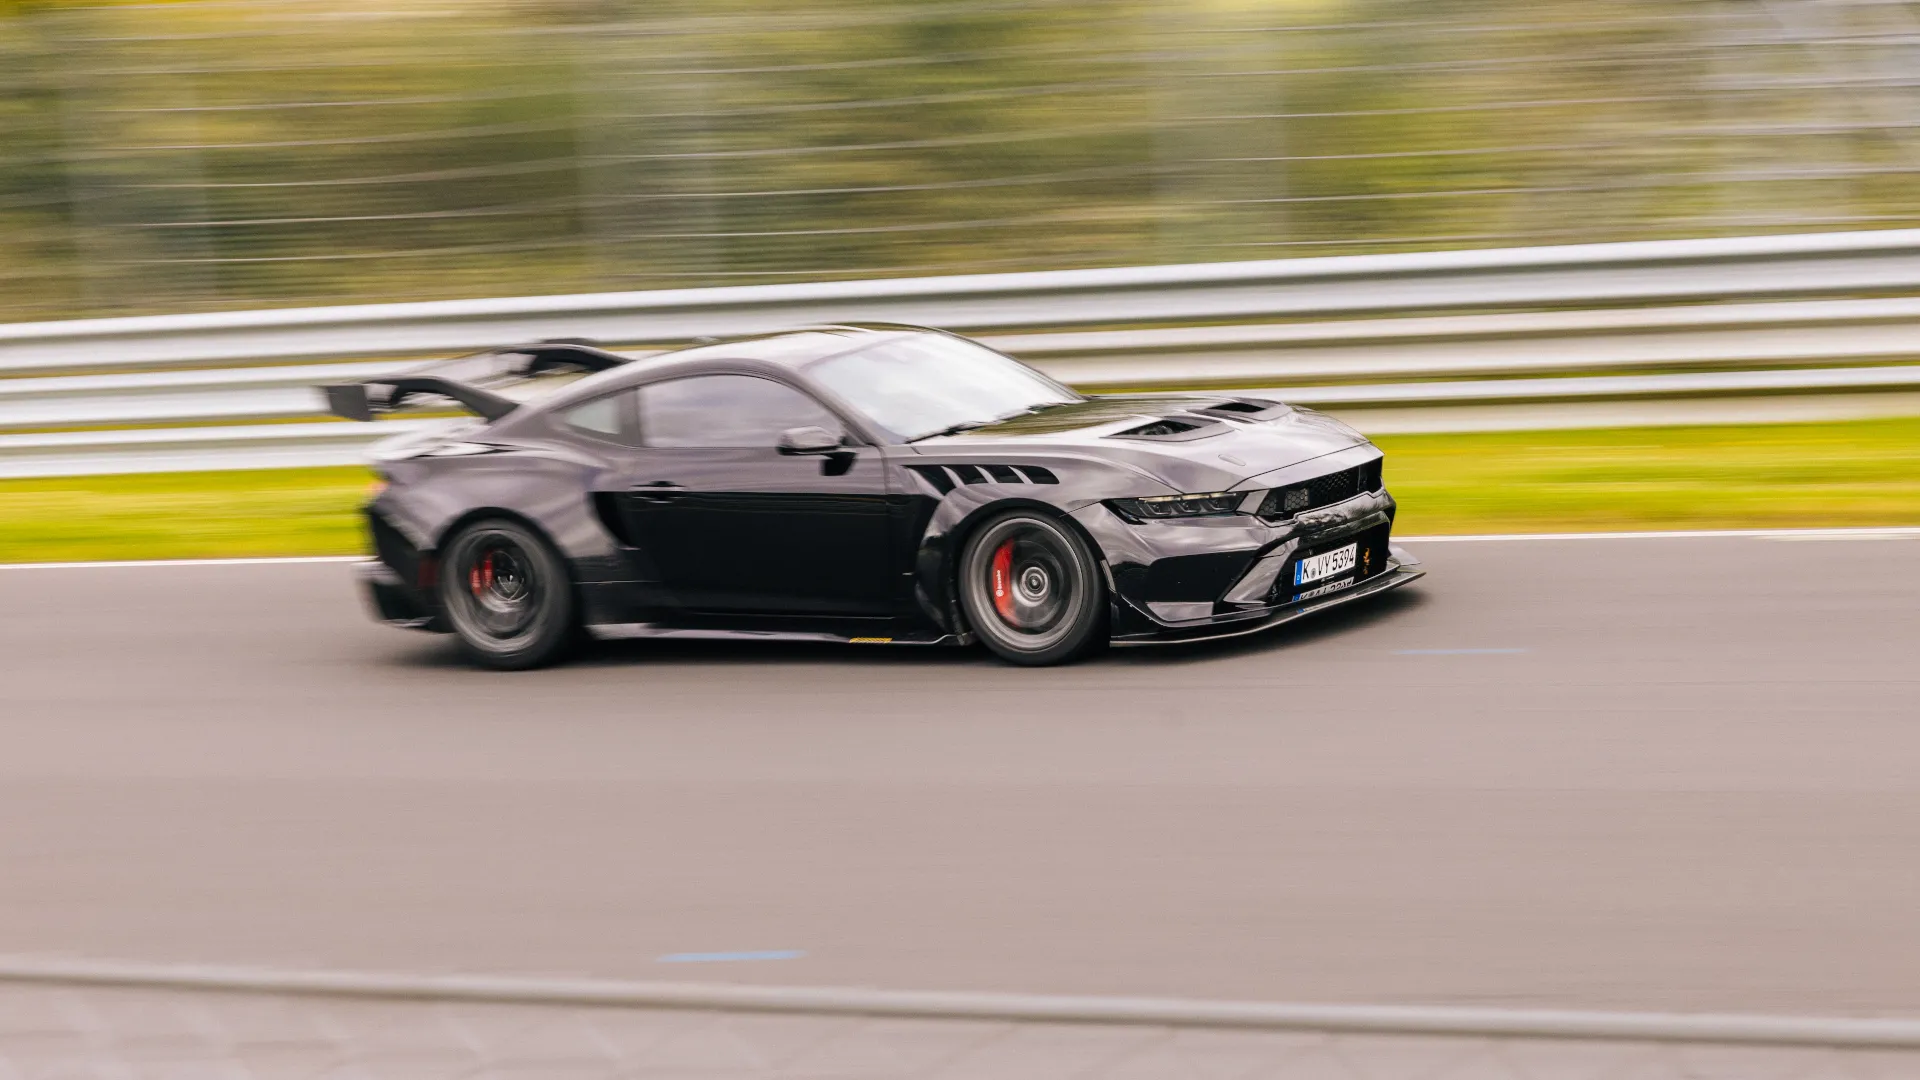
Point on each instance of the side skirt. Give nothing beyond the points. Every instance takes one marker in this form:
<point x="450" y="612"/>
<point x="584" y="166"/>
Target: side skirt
<point x="637" y="631"/>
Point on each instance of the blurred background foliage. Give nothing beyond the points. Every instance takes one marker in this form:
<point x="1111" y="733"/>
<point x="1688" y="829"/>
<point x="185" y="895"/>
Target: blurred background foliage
<point x="253" y="153"/>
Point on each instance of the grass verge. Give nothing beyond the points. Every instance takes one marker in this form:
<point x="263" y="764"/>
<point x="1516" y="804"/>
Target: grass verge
<point x="183" y="515"/>
<point x="1864" y="472"/>
<point x="1785" y="475"/>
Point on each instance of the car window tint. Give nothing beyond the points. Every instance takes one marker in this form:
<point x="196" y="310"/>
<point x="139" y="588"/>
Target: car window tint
<point x="726" y="410"/>
<point x="600" y="416"/>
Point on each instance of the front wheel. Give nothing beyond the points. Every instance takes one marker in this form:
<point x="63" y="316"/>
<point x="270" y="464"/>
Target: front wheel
<point x="1031" y="589"/>
<point x="507" y="595"/>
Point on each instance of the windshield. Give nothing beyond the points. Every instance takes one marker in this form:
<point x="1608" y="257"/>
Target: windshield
<point x="924" y="384"/>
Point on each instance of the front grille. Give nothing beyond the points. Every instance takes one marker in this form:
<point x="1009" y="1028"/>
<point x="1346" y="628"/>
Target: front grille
<point x="1284" y="502"/>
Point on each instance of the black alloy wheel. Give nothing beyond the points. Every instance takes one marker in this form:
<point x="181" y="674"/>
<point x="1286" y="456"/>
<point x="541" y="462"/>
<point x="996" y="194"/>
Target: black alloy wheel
<point x="507" y="595"/>
<point x="1031" y="590"/>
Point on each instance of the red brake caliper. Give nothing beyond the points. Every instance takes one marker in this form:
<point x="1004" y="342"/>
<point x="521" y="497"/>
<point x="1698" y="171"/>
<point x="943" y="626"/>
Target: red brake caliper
<point x="481" y="577"/>
<point x="1003" y="581"/>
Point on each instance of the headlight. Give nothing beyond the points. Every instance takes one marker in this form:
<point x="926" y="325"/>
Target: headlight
<point x="1205" y="504"/>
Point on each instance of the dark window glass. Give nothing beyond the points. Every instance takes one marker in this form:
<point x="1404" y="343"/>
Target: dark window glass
<point x="726" y="410"/>
<point x="600" y="416"/>
<point x="918" y="384"/>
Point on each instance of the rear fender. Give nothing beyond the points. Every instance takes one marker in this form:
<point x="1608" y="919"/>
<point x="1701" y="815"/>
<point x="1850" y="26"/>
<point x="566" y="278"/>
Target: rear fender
<point x="548" y="492"/>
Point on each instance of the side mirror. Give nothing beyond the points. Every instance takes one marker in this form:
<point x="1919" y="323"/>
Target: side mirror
<point x="808" y="440"/>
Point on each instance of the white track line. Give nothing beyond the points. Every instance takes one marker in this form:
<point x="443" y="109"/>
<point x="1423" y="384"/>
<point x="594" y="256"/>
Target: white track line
<point x="1895" y="532"/>
<point x="1826" y="1033"/>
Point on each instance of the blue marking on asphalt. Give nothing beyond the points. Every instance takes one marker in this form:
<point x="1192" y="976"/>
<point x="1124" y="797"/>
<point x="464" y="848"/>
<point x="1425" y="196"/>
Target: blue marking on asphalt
<point x="1455" y="652"/>
<point x="728" y="957"/>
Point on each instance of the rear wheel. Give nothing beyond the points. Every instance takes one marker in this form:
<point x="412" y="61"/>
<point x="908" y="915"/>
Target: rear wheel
<point x="507" y="595"/>
<point x="1031" y="590"/>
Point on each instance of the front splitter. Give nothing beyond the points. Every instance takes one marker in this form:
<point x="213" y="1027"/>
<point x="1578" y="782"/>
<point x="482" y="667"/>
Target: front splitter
<point x="1402" y="569"/>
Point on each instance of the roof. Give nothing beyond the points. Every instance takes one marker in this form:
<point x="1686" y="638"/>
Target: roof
<point x="785" y="348"/>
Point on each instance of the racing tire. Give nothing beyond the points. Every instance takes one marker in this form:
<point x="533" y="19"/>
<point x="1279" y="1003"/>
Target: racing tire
<point x="507" y="596"/>
<point x="1031" y="590"/>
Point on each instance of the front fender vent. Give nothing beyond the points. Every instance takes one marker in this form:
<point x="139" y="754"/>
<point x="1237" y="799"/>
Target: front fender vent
<point x="944" y="478"/>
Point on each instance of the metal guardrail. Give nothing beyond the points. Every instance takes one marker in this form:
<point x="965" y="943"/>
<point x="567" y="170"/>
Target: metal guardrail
<point x="1478" y="405"/>
<point x="57" y="1016"/>
<point x="1661" y="271"/>
<point x="1429" y="367"/>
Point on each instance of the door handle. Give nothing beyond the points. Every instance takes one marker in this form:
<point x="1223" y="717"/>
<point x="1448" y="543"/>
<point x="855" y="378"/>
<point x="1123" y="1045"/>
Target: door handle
<point x="656" y="490"/>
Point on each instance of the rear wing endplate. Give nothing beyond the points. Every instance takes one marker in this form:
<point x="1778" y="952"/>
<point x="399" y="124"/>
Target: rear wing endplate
<point x="472" y="382"/>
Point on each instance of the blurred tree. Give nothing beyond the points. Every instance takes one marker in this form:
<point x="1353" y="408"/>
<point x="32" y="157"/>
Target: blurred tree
<point x="225" y="153"/>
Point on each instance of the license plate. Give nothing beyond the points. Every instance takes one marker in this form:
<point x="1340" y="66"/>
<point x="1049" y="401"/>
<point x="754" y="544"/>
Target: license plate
<point x="1327" y="565"/>
<point x="1322" y="590"/>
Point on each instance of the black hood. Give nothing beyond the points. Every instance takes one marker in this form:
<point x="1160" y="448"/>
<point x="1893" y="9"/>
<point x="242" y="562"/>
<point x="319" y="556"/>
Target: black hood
<point x="1226" y="438"/>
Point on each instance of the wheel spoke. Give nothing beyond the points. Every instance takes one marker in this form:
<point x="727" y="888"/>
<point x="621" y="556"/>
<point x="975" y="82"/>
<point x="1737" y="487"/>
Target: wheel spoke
<point x="1029" y="581"/>
<point x="503" y="586"/>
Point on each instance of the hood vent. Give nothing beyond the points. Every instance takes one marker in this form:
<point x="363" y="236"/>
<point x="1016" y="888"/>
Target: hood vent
<point x="1171" y="430"/>
<point x="1159" y="429"/>
<point x="945" y="478"/>
<point x="1246" y="409"/>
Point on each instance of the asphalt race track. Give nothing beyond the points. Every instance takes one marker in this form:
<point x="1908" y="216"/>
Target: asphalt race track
<point x="1649" y="773"/>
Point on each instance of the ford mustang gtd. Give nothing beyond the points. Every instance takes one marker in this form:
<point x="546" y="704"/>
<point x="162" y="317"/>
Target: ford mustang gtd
<point x="858" y="484"/>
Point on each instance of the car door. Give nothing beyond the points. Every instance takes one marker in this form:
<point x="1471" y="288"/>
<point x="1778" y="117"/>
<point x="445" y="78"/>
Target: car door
<point x="733" y="524"/>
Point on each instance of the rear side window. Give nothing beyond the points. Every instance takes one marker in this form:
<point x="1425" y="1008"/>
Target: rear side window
<point x="601" y="416"/>
<point x="726" y="410"/>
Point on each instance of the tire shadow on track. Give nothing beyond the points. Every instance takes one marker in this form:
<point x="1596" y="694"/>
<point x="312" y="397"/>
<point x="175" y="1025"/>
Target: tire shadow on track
<point x="443" y="653"/>
<point x="1340" y="621"/>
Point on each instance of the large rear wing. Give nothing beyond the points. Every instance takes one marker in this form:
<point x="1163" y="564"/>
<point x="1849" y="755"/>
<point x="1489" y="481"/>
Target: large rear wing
<point x="477" y="383"/>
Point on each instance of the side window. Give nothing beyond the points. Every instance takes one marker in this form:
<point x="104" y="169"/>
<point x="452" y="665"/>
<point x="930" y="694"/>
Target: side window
<point x="726" y="410"/>
<point x="601" y="416"/>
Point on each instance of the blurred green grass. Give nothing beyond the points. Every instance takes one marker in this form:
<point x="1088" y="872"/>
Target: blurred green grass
<point x="183" y="515"/>
<point x="1784" y="475"/>
<point x="1864" y="472"/>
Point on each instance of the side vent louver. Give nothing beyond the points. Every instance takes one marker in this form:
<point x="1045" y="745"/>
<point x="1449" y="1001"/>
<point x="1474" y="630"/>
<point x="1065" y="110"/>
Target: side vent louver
<point x="944" y="478"/>
<point x="935" y="475"/>
<point x="606" y="507"/>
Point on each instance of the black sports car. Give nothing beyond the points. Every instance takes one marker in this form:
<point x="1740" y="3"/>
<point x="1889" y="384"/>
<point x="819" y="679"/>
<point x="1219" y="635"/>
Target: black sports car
<point x="859" y="484"/>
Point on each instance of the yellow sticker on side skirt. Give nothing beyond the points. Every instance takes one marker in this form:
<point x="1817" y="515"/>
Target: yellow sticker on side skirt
<point x="869" y="641"/>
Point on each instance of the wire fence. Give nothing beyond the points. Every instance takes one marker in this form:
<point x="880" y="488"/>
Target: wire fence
<point x="48" y="1031"/>
<point x="248" y="153"/>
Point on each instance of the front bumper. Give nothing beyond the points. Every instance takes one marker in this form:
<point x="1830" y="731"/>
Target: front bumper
<point x="1209" y="577"/>
<point x="1402" y="568"/>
